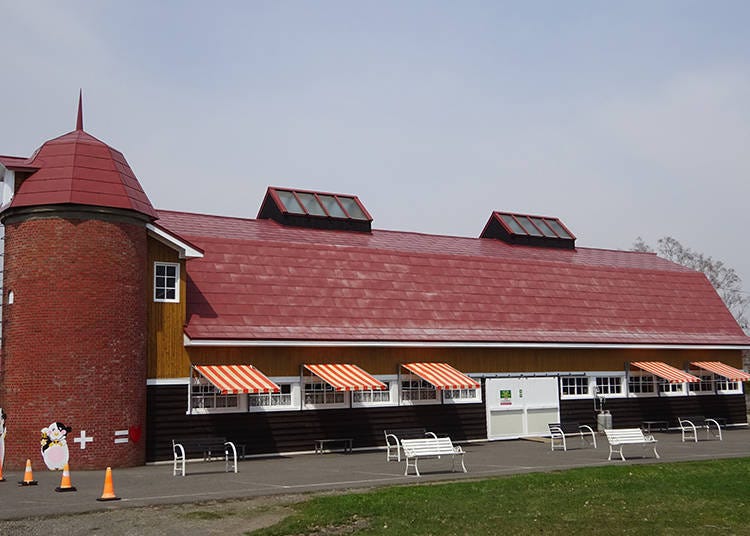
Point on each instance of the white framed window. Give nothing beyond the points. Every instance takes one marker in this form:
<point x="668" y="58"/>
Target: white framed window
<point x="641" y="384"/>
<point x="415" y="390"/>
<point x="385" y="397"/>
<point x="166" y="282"/>
<point x="726" y="387"/>
<point x="283" y="400"/>
<point x="667" y="388"/>
<point x="206" y="398"/>
<point x="705" y="386"/>
<point x="319" y="394"/>
<point x="574" y="387"/>
<point x="609" y="386"/>
<point x="462" y="396"/>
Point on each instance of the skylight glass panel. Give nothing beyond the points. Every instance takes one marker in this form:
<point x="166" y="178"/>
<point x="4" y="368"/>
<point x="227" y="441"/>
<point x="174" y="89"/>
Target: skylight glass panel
<point x="511" y="222"/>
<point x="351" y="206"/>
<point x="311" y="204"/>
<point x="290" y="202"/>
<point x="558" y="229"/>
<point x="332" y="206"/>
<point x="528" y="226"/>
<point x="542" y="226"/>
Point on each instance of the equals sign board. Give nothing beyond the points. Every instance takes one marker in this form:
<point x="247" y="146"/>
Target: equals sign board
<point x="121" y="436"/>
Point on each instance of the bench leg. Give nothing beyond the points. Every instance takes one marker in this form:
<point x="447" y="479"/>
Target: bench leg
<point x="179" y="465"/>
<point x="710" y="422"/>
<point x="178" y="451"/>
<point x="227" y="466"/>
<point x="618" y="450"/>
<point x="463" y="467"/>
<point x="406" y="469"/>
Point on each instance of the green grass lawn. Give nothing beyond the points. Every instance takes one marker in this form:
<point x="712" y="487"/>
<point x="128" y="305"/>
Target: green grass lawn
<point x="672" y="498"/>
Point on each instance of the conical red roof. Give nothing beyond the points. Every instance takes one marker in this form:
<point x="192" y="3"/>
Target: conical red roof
<point x="78" y="168"/>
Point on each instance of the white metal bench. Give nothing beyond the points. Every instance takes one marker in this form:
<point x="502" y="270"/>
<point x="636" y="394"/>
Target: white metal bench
<point x="628" y="436"/>
<point x="206" y="446"/>
<point x="393" y="439"/>
<point x="430" y="447"/>
<point x="689" y="427"/>
<point x="559" y="431"/>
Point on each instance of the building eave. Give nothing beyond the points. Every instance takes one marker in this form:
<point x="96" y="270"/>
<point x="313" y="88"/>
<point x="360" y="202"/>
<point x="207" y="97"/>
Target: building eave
<point x="245" y="343"/>
<point x="183" y="248"/>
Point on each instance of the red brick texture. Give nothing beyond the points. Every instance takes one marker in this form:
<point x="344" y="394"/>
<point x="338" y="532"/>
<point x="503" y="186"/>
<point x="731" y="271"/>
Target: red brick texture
<point x="74" y="339"/>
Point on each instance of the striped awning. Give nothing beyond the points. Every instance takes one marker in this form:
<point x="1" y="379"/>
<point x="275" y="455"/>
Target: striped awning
<point x="346" y="377"/>
<point x="666" y="372"/>
<point x="235" y="379"/>
<point x="730" y="373"/>
<point x="442" y="375"/>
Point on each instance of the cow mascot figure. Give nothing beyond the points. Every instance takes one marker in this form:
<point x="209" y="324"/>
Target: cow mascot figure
<point x="55" y="445"/>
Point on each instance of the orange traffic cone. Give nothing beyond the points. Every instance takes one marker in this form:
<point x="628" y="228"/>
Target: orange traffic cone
<point x="65" y="484"/>
<point x="28" y="476"/>
<point x="108" y="494"/>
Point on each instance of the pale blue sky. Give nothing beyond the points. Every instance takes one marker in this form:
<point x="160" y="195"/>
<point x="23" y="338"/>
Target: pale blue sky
<point x="622" y="119"/>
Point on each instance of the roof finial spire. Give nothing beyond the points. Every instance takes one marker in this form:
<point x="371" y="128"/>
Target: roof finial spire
<point x="79" y="121"/>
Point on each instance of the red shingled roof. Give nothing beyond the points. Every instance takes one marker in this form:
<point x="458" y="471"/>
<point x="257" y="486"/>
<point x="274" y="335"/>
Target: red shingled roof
<point x="16" y="162"/>
<point x="259" y="280"/>
<point x="78" y="168"/>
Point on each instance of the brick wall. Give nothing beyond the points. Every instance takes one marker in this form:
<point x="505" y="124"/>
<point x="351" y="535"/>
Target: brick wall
<point x="74" y="338"/>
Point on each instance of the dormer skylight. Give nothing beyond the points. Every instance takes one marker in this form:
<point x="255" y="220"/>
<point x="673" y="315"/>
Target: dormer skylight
<point x="529" y="230"/>
<point x="319" y="210"/>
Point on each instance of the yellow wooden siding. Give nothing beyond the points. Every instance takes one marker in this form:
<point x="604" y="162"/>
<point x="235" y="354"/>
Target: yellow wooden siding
<point x="166" y="351"/>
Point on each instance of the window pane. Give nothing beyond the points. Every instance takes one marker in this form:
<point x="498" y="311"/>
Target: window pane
<point x="546" y="231"/>
<point x="352" y="208"/>
<point x="332" y="206"/>
<point x="311" y="204"/>
<point x="289" y="202"/>
<point x="530" y="229"/>
<point x="160" y="269"/>
<point x="558" y="229"/>
<point x="513" y="224"/>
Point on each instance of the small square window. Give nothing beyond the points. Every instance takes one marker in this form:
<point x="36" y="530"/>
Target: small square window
<point x="574" y="386"/>
<point x="166" y="282"/>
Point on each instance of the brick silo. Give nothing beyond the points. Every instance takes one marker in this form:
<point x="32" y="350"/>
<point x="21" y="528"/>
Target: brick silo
<point x="74" y="310"/>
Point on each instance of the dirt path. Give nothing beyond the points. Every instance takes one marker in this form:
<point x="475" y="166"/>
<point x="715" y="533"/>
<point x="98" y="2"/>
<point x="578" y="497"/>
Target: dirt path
<point x="226" y="518"/>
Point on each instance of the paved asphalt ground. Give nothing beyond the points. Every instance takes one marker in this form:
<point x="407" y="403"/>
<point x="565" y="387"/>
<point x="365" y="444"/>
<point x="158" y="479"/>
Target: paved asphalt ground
<point x="283" y="475"/>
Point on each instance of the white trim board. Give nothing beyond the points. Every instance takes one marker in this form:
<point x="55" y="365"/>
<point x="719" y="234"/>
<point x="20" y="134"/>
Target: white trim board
<point x="185" y="250"/>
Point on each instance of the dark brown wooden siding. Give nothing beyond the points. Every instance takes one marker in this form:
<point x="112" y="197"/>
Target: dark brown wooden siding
<point x="631" y="412"/>
<point x="290" y="431"/>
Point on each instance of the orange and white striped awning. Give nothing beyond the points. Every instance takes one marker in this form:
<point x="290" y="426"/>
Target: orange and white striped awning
<point x="666" y="372"/>
<point x="442" y="375"/>
<point x="730" y="373"/>
<point x="235" y="379"/>
<point x="344" y="377"/>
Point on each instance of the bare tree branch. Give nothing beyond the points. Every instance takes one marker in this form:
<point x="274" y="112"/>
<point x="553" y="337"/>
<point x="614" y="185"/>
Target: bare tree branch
<point x="723" y="278"/>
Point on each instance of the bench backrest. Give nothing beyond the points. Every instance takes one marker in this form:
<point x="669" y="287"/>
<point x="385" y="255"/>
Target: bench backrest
<point x="697" y="420"/>
<point x="620" y="435"/>
<point x="428" y="446"/>
<point x="406" y="433"/>
<point x="566" y="427"/>
<point x="190" y="443"/>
